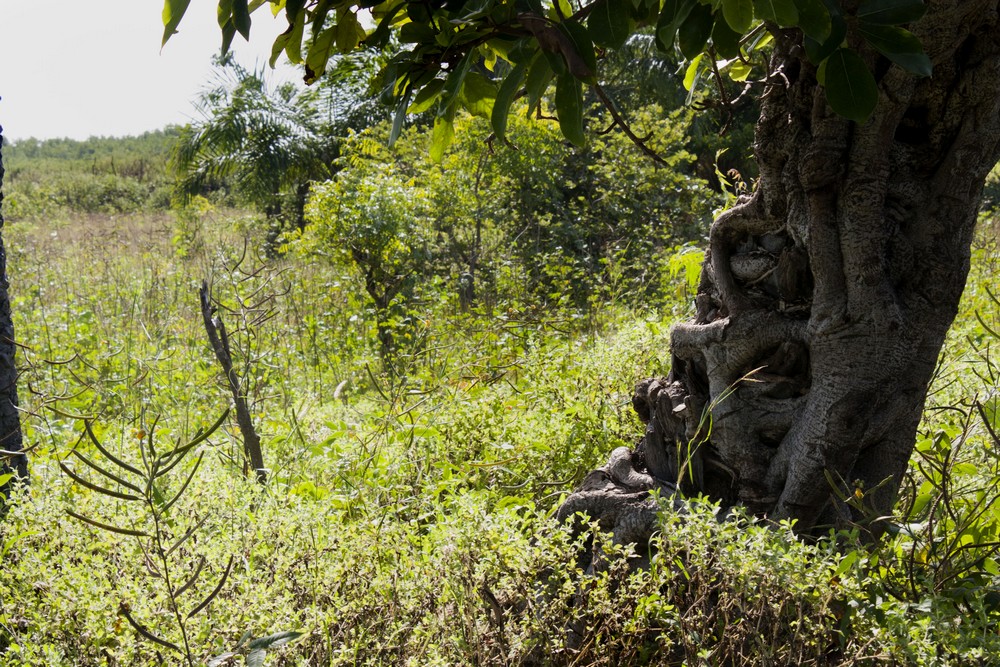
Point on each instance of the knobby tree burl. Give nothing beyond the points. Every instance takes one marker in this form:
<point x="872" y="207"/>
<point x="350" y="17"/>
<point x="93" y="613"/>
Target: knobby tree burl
<point x="826" y="293"/>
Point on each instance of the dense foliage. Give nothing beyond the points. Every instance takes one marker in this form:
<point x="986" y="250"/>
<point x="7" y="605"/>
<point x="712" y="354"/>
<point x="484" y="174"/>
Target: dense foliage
<point x="409" y="521"/>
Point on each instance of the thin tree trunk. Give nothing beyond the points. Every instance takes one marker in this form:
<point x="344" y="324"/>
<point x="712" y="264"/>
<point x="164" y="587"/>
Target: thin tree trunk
<point x="827" y="293"/>
<point x="11" y="444"/>
<point x="219" y="340"/>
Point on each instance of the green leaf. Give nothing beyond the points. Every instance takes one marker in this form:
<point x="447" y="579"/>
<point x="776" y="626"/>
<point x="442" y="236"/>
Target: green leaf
<point x="225" y="12"/>
<point x="890" y="12"/>
<point x="256" y="658"/>
<point x="725" y="40"/>
<point x="814" y="19"/>
<point x="275" y="640"/>
<point x="539" y="76"/>
<point x="671" y="17"/>
<point x="319" y="51"/>
<point x="691" y="73"/>
<point x="569" y="108"/>
<point x="293" y="48"/>
<point x="609" y="23"/>
<point x="478" y="95"/>
<point x="173" y="12"/>
<point x="782" y="12"/>
<point x="453" y="84"/>
<point x="426" y="97"/>
<point x="442" y="134"/>
<point x="817" y="50"/>
<point x="582" y="61"/>
<point x="350" y="32"/>
<point x="505" y="97"/>
<point x="695" y="31"/>
<point x="850" y="87"/>
<point x="738" y="14"/>
<point x="241" y="18"/>
<point x="846" y="562"/>
<point x="399" y="118"/>
<point x="898" y="45"/>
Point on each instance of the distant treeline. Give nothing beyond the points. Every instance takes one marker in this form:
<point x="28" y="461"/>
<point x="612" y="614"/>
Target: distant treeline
<point x="97" y="175"/>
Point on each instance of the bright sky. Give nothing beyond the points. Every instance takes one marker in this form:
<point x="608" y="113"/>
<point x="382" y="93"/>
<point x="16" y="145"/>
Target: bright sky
<point x="80" y="68"/>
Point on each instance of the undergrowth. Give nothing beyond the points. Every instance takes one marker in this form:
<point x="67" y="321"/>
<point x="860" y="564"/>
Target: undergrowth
<point x="407" y="517"/>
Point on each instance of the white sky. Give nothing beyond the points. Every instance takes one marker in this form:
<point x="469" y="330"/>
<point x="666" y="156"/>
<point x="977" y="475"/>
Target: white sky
<point x="73" y="68"/>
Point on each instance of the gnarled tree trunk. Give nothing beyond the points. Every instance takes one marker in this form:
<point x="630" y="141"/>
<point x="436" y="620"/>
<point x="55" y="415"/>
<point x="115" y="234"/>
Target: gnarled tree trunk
<point x="827" y="293"/>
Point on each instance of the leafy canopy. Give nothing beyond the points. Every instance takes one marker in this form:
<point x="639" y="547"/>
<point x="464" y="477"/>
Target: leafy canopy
<point x="481" y="55"/>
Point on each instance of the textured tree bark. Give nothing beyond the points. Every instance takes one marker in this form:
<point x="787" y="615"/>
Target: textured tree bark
<point x="12" y="457"/>
<point x="827" y="293"/>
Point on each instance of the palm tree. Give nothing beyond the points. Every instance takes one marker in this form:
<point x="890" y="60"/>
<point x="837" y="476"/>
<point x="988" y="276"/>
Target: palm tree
<point x="269" y="143"/>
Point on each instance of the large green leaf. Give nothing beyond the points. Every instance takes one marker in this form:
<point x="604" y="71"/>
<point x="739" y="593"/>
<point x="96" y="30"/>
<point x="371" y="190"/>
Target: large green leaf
<point x="782" y="12"/>
<point x="505" y="97"/>
<point x="671" y="17"/>
<point x="814" y="19"/>
<point x="241" y="18"/>
<point x="539" y="76"/>
<point x="817" y="50"/>
<point x="479" y="95"/>
<point x="609" y="23"/>
<point x="443" y="133"/>
<point x="173" y="12"/>
<point x="319" y="50"/>
<point x="738" y="14"/>
<point x="890" y="12"/>
<point x="569" y="108"/>
<point x="850" y="87"/>
<point x="426" y="97"/>
<point x="898" y="45"/>
<point x="453" y="85"/>
<point x="725" y="40"/>
<point x="695" y="31"/>
<point x="581" y="60"/>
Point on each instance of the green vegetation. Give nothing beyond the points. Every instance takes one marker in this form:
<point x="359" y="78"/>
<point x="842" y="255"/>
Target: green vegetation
<point x="407" y="516"/>
<point x="102" y="175"/>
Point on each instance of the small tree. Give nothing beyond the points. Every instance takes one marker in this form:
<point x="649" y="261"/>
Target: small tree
<point x="371" y="221"/>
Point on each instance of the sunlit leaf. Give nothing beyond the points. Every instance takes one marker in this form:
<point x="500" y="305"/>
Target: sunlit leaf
<point x="173" y="12"/>
<point x="478" y="95"/>
<point x="442" y="134"/>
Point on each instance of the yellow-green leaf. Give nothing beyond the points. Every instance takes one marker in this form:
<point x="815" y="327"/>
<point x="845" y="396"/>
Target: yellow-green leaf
<point x="173" y="12"/>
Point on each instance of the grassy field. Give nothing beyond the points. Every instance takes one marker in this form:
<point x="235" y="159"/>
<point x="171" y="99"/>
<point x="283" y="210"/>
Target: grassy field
<point x="407" y="514"/>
